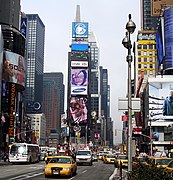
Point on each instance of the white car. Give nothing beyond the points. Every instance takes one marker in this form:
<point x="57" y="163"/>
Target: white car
<point x="84" y="157"/>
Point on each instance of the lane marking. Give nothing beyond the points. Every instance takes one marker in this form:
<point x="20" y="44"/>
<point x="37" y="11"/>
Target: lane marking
<point x="84" y="171"/>
<point x="30" y="176"/>
<point x="114" y="173"/>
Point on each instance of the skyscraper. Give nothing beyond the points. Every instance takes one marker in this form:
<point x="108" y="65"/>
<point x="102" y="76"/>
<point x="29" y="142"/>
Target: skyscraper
<point x="35" y="63"/>
<point x="53" y="100"/>
<point x="9" y="12"/>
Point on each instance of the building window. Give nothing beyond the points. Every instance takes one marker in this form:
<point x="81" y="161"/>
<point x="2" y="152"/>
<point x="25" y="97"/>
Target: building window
<point x="139" y="65"/>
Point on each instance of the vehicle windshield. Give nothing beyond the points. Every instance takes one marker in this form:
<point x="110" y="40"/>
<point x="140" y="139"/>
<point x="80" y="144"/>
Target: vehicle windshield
<point x="141" y="159"/>
<point x="162" y="161"/>
<point x="122" y="157"/>
<point x="83" y="153"/>
<point x="60" y="160"/>
<point x="18" y="149"/>
<point x="110" y="156"/>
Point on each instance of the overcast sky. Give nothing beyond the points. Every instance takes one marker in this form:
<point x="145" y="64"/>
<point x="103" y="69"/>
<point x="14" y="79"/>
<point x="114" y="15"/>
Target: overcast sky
<point x="107" y="18"/>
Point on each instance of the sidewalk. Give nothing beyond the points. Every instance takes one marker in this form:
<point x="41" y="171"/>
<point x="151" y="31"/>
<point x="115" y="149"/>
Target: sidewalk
<point x="116" y="175"/>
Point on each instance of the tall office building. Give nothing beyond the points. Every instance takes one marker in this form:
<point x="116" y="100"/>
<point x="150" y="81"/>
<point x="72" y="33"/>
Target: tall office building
<point x="53" y="100"/>
<point x="94" y="88"/>
<point x="9" y="12"/>
<point x="51" y="106"/>
<point x="35" y="63"/>
<point x="58" y="78"/>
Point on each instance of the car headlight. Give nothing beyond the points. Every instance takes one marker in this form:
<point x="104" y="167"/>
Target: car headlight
<point x="77" y="159"/>
<point x="47" y="169"/>
<point x="66" y="169"/>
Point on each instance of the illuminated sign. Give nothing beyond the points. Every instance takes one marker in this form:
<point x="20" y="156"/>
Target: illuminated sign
<point x="12" y="109"/>
<point x="79" y="29"/>
<point x="158" y="5"/>
<point x="78" y="110"/>
<point x="79" y="81"/>
<point x="79" y="46"/>
<point x="79" y="63"/>
<point x="146" y="36"/>
<point x="77" y="55"/>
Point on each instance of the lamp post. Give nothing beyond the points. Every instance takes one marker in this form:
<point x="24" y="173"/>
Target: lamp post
<point x="130" y="26"/>
<point x="151" y="141"/>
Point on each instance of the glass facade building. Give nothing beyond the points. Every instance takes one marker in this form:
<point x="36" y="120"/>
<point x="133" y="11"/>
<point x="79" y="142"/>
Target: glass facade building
<point x="35" y="62"/>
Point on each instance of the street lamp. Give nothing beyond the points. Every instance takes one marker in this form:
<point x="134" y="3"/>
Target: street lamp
<point x="130" y="26"/>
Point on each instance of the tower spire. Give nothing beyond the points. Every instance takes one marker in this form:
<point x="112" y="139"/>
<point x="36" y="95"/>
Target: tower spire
<point x="78" y="13"/>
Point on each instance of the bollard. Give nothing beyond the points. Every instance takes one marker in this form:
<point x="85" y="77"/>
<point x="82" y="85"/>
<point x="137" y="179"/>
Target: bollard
<point x="120" y="170"/>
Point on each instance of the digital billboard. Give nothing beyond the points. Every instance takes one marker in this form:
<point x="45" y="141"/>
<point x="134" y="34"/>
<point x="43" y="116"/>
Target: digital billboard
<point x="79" y="46"/>
<point x="79" y="63"/>
<point x="79" y="81"/>
<point x="79" y="29"/>
<point x="1" y="57"/>
<point x="158" y="5"/>
<point x="168" y="33"/>
<point x="161" y="97"/>
<point x="78" y="110"/>
<point x="23" y="26"/>
<point x="78" y="55"/>
<point x="14" y="68"/>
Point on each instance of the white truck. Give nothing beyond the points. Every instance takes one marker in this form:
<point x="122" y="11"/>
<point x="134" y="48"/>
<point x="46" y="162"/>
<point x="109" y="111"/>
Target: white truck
<point x="84" y="157"/>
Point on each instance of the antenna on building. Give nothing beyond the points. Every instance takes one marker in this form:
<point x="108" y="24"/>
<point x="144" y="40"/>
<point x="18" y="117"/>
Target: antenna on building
<point x="78" y="13"/>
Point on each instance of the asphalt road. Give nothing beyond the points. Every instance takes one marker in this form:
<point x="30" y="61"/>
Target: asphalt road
<point x="98" y="171"/>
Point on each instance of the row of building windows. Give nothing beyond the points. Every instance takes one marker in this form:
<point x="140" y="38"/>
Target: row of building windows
<point x="146" y="65"/>
<point x="146" y="46"/>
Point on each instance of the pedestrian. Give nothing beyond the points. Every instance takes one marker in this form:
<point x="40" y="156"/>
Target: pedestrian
<point x="168" y="105"/>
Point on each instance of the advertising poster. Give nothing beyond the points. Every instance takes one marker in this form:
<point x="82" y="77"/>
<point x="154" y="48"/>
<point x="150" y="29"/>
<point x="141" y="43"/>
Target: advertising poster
<point x="14" y="68"/>
<point x="23" y="26"/>
<point x="78" y="110"/>
<point x="79" y="46"/>
<point x="1" y="57"/>
<point x="79" y="29"/>
<point x="168" y="28"/>
<point x="161" y="98"/>
<point x="79" y="81"/>
<point x="79" y="64"/>
<point x="158" y="5"/>
<point x="79" y="56"/>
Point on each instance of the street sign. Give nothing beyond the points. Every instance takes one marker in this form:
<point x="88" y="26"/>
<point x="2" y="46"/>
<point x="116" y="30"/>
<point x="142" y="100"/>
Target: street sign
<point x="77" y="128"/>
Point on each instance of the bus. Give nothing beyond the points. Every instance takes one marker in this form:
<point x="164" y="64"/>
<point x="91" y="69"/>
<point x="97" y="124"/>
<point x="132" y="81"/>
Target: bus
<point x="24" y="153"/>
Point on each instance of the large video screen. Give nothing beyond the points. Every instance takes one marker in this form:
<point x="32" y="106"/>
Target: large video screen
<point x="13" y="68"/>
<point x="79" y="29"/>
<point x="79" y="46"/>
<point x="161" y="98"/>
<point x="79" y="81"/>
<point x="79" y="56"/>
<point x="78" y="110"/>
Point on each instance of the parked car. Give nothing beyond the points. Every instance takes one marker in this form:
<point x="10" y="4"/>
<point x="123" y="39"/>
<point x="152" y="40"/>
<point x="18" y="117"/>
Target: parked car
<point x="61" y="166"/>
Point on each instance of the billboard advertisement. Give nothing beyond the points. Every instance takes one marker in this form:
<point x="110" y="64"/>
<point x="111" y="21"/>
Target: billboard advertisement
<point x="158" y="5"/>
<point x="14" y="68"/>
<point x="78" y="110"/>
<point x="79" y="29"/>
<point x="79" y="56"/>
<point x="79" y="63"/>
<point x="79" y="46"/>
<point x="23" y="26"/>
<point x="161" y="97"/>
<point x="168" y="32"/>
<point x="79" y="81"/>
<point x="1" y="57"/>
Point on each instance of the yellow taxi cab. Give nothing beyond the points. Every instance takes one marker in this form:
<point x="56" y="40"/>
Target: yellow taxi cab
<point x="109" y="158"/>
<point x="100" y="155"/>
<point x="160" y="161"/>
<point x="169" y="167"/>
<point x="61" y="166"/>
<point x="121" y="159"/>
<point x="140" y="159"/>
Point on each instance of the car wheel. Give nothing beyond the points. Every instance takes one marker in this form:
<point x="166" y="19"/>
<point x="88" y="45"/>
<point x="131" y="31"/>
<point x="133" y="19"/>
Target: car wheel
<point x="91" y="164"/>
<point x="71" y="174"/>
<point x="46" y="176"/>
<point x="75" y="172"/>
